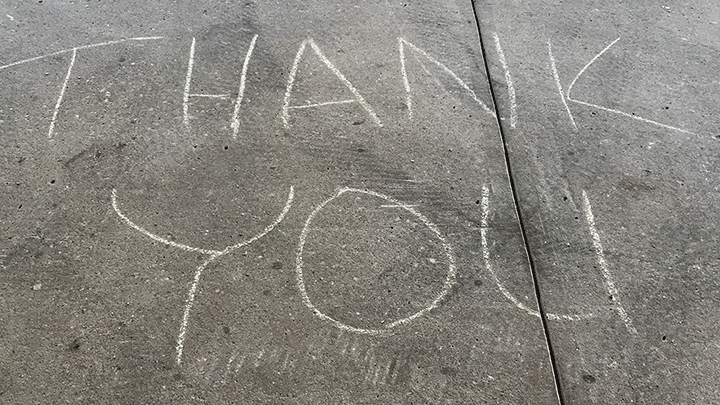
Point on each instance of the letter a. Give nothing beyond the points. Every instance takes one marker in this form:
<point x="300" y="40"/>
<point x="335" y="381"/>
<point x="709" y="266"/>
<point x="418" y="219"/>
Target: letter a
<point x="291" y="79"/>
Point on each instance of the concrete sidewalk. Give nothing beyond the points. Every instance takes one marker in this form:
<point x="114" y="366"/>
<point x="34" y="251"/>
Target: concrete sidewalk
<point x="614" y="154"/>
<point x="317" y="203"/>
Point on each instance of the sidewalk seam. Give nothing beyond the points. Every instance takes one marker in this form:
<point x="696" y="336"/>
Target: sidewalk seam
<point x="516" y="203"/>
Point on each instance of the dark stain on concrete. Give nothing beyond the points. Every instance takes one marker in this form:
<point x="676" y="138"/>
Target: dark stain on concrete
<point x="589" y="378"/>
<point x="74" y="346"/>
<point x="634" y="187"/>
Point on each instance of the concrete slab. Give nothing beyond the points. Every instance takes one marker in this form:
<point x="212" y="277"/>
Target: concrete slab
<point x="259" y="203"/>
<point x="613" y="143"/>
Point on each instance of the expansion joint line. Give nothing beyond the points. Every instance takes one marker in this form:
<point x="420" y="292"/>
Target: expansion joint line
<point x="518" y="212"/>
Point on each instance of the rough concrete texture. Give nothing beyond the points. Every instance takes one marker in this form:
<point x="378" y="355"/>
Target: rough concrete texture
<point x="256" y="202"/>
<point x="396" y="303"/>
<point x="642" y="154"/>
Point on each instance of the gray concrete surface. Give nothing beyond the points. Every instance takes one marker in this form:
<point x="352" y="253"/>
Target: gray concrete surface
<point x="260" y="202"/>
<point x="645" y="154"/>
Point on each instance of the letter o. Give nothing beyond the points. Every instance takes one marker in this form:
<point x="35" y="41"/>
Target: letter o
<point x="449" y="279"/>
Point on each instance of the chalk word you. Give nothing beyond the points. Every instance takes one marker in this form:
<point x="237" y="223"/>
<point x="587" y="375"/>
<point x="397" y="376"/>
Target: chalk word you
<point x="216" y="254"/>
